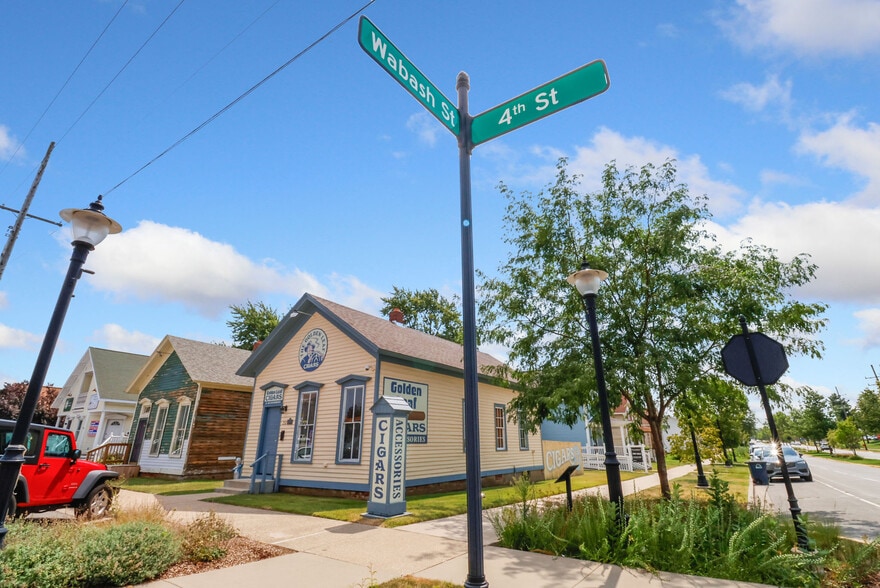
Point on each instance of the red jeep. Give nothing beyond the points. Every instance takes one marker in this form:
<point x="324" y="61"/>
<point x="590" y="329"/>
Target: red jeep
<point x="53" y="476"/>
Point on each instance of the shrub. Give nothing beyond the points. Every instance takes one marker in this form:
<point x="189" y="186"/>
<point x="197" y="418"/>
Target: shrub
<point x="128" y="553"/>
<point x="204" y="539"/>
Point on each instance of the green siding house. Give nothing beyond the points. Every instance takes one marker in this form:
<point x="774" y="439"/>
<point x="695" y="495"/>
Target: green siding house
<point x="192" y="409"/>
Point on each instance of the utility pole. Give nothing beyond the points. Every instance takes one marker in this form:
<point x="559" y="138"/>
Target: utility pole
<point x="16" y="228"/>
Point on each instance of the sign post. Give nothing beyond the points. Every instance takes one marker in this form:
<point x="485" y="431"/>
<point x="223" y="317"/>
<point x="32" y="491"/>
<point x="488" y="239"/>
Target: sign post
<point x="576" y="86"/>
<point x="747" y="357"/>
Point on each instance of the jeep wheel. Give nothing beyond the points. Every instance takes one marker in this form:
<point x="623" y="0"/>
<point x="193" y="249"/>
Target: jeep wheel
<point x="96" y="504"/>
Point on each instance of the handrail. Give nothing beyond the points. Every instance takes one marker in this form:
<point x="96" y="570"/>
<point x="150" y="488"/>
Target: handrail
<point x="254" y="475"/>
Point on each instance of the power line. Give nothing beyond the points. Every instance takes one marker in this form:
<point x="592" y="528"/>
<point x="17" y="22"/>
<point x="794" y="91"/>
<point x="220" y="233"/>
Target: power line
<point x="61" y="89"/>
<point x="124" y="67"/>
<point x="242" y="96"/>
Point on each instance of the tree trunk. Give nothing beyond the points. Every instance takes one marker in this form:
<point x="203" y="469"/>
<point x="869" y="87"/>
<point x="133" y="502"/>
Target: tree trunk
<point x="660" y="453"/>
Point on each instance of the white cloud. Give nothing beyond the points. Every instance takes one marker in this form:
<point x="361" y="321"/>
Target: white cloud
<point x="608" y="145"/>
<point x="847" y="146"/>
<point x="4" y="300"/>
<point x="9" y="146"/>
<point x="869" y="325"/>
<point x="17" y="339"/>
<point x="116" y="337"/>
<point x="425" y="126"/>
<point x="170" y="264"/>
<point x="840" y="238"/>
<point x="809" y="27"/>
<point x="758" y="98"/>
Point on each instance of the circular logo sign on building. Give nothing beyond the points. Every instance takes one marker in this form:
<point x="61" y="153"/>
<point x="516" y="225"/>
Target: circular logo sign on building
<point x="313" y="350"/>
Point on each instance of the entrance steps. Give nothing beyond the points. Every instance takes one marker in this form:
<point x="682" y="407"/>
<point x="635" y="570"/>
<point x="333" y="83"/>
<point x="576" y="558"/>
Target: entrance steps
<point x="243" y="485"/>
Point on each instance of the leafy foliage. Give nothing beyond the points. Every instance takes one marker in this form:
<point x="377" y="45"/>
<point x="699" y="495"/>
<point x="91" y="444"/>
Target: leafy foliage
<point x="251" y="323"/>
<point x="671" y="302"/>
<point x="846" y="434"/>
<point x="427" y="311"/>
<point x="718" y="538"/>
<point x="867" y="411"/>
<point x="13" y="394"/>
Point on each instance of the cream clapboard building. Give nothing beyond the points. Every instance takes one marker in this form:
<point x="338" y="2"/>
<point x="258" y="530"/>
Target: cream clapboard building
<point x="320" y="371"/>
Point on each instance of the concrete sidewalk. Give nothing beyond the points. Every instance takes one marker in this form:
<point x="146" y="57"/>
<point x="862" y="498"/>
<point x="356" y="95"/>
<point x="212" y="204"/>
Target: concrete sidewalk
<point x="334" y="554"/>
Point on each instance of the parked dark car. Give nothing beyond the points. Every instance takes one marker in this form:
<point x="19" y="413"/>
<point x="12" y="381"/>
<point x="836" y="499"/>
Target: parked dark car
<point x="795" y="462"/>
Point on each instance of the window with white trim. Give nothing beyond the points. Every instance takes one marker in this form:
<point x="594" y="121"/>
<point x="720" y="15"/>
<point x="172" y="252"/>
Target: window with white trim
<point x="306" y="416"/>
<point x="351" y="423"/>
<point x="500" y="428"/>
<point x="181" y="427"/>
<point x="158" y="427"/>
<point x="523" y="433"/>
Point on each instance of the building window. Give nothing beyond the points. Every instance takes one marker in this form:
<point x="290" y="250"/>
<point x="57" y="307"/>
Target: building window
<point x="181" y="427"/>
<point x="158" y="428"/>
<point x="306" y="416"/>
<point x="351" y="423"/>
<point x="523" y="433"/>
<point x="500" y="428"/>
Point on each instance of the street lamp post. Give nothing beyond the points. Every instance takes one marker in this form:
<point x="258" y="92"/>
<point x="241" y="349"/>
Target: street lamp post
<point x="701" y="477"/>
<point x="89" y="226"/>
<point x="587" y="282"/>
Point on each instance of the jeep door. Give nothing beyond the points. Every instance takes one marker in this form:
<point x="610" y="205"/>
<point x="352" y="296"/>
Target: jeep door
<point x="56" y="476"/>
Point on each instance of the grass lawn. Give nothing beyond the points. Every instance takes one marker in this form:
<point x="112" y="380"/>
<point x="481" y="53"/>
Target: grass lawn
<point x="170" y="487"/>
<point x="737" y="476"/>
<point x="846" y="455"/>
<point x="422" y="507"/>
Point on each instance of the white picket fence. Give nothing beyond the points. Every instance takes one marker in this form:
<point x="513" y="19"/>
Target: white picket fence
<point x="631" y="458"/>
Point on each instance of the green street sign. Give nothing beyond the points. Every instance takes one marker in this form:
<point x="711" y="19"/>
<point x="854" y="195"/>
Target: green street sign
<point x="408" y="75"/>
<point x="576" y="86"/>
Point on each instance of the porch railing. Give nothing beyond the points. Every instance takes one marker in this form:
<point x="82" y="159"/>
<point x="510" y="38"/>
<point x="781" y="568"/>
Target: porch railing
<point x="631" y="458"/>
<point x="110" y="453"/>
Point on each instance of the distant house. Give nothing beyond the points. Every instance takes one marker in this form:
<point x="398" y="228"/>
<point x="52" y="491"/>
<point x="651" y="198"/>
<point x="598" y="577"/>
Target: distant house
<point x="191" y="409"/>
<point x="94" y="403"/>
<point x="322" y="370"/>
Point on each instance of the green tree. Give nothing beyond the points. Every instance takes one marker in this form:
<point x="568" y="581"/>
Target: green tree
<point x="427" y="311"/>
<point x="839" y="406"/>
<point x="813" y="422"/>
<point x="671" y="302"/>
<point x="846" y="435"/>
<point x="251" y="323"/>
<point x="867" y="411"/>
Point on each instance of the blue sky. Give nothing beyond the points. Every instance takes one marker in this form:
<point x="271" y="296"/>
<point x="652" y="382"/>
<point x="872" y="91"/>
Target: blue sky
<point x="330" y="178"/>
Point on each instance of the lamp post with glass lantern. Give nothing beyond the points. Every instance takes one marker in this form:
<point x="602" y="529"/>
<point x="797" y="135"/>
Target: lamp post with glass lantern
<point x="89" y="227"/>
<point x="587" y="282"/>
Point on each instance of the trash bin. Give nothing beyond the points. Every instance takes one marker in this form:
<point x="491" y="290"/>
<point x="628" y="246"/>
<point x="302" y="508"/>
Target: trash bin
<point x="758" y="470"/>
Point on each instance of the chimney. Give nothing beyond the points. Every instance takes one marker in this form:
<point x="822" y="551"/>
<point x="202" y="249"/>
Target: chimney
<point x="256" y="344"/>
<point x="396" y="316"/>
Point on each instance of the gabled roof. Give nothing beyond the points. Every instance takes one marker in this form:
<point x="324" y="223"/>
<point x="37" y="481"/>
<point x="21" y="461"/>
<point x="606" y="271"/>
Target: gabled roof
<point x="112" y="372"/>
<point x="378" y="336"/>
<point x="206" y="363"/>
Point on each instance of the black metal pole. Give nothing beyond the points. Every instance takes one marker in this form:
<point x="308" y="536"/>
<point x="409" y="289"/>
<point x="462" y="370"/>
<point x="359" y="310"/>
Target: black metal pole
<point x="13" y="457"/>
<point x="612" y="465"/>
<point x="701" y="477"/>
<point x="800" y="531"/>
<point x="476" y="577"/>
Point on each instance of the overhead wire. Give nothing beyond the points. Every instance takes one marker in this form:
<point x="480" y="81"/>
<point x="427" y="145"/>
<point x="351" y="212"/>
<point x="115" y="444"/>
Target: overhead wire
<point x="63" y="86"/>
<point x="242" y="96"/>
<point x="124" y="67"/>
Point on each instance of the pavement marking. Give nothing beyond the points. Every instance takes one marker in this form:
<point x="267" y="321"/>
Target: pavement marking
<point x="874" y="504"/>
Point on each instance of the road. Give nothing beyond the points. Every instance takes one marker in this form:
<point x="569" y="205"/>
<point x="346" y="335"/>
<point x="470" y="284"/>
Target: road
<point x="845" y="494"/>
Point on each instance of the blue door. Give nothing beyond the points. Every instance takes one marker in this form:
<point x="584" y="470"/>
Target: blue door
<point x="269" y="430"/>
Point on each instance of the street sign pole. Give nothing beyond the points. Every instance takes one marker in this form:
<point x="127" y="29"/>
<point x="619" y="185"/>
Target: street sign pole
<point x="576" y="86"/>
<point x="799" y="530"/>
